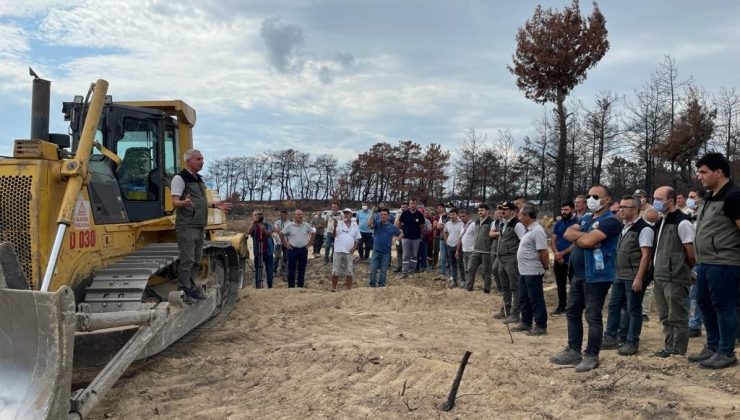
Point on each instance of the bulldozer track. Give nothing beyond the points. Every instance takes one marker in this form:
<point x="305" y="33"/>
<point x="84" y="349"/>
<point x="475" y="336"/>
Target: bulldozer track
<point x="121" y="285"/>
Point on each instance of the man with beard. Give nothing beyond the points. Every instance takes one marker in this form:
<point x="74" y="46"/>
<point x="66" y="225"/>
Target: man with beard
<point x="561" y="249"/>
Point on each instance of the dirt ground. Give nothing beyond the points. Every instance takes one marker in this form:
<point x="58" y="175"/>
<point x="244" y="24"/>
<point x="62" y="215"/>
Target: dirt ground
<point x="393" y="353"/>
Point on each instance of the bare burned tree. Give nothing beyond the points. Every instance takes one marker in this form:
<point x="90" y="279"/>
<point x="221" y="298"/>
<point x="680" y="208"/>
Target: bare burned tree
<point x="554" y="51"/>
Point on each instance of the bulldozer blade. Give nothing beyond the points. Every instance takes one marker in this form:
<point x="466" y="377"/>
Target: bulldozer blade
<point x="36" y="344"/>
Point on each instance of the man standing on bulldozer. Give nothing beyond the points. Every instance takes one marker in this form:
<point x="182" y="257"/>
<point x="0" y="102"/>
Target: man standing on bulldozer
<point x="191" y="216"/>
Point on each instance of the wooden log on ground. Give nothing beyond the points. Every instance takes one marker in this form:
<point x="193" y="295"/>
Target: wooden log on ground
<point x="447" y="406"/>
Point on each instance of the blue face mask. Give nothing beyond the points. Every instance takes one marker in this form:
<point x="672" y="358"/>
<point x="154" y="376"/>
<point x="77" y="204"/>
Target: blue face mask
<point x="691" y="203"/>
<point x="659" y="206"/>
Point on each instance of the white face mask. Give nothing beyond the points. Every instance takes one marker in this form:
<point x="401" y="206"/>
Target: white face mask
<point x="364" y="208"/>
<point x="593" y="204"/>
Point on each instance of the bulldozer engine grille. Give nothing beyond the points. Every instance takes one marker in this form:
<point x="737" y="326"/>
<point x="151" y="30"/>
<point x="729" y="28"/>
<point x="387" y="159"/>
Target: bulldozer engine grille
<point x="15" y="218"/>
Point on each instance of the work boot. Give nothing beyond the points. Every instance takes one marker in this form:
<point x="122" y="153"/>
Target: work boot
<point x="197" y="292"/>
<point x="694" y="333"/>
<point x="500" y="314"/>
<point x="719" y="361"/>
<point x="187" y="298"/>
<point x="512" y="319"/>
<point x="567" y="357"/>
<point x="537" y="330"/>
<point x="628" y="349"/>
<point x="557" y="312"/>
<point x="609" y="343"/>
<point x="704" y="354"/>
<point x="662" y="353"/>
<point x="348" y="283"/>
<point x="521" y="327"/>
<point x="589" y="362"/>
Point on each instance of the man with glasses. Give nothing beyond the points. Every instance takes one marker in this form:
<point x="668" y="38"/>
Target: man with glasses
<point x="594" y="271"/>
<point x="634" y="252"/>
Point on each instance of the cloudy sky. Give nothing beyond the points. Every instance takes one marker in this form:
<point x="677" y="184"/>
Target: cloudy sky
<point x="334" y="76"/>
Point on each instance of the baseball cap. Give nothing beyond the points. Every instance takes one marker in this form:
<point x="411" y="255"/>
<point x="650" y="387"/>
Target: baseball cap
<point x="507" y="205"/>
<point x="347" y="210"/>
<point x="641" y="193"/>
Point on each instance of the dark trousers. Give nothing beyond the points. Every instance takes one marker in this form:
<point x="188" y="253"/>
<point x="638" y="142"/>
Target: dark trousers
<point x="366" y="244"/>
<point x="318" y="243"/>
<point x="717" y="293"/>
<point x="588" y="297"/>
<point x="435" y="251"/>
<point x="422" y="257"/>
<point x="297" y="260"/>
<point x="457" y="267"/>
<point x="532" y="300"/>
<point x="561" y="279"/>
<point x="268" y="261"/>
<point x="399" y="254"/>
<point x="622" y="294"/>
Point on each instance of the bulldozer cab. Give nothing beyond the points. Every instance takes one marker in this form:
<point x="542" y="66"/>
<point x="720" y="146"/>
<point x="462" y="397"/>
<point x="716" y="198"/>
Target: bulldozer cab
<point x="148" y="143"/>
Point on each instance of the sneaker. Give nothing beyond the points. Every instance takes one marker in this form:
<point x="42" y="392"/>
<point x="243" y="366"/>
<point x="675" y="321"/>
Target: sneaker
<point x="512" y="319"/>
<point x="521" y="327"/>
<point x="557" y="312"/>
<point x="197" y="293"/>
<point x="609" y="343"/>
<point x="662" y="353"/>
<point x="719" y="361"/>
<point x="589" y="362"/>
<point x="500" y="314"/>
<point x="537" y="330"/>
<point x="694" y="333"/>
<point x="704" y="354"/>
<point x="567" y="357"/>
<point x="628" y="349"/>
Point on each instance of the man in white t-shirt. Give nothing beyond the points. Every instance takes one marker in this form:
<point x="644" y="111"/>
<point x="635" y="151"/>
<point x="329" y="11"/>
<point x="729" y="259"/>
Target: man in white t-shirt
<point x="452" y="233"/>
<point x="466" y="245"/>
<point x="347" y="237"/>
<point x="673" y="259"/>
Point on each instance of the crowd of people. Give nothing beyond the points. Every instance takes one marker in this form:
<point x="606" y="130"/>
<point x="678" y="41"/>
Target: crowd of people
<point x="681" y="252"/>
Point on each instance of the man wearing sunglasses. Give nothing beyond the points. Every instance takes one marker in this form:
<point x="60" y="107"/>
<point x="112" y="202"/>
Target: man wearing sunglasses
<point x="594" y="270"/>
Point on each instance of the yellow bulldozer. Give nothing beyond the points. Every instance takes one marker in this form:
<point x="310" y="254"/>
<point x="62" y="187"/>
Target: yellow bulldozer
<point x="88" y="252"/>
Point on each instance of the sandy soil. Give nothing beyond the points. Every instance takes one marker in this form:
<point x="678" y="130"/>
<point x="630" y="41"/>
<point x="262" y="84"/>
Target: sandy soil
<point x="393" y="353"/>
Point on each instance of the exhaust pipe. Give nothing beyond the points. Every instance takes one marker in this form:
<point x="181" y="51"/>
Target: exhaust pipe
<point x="40" y="99"/>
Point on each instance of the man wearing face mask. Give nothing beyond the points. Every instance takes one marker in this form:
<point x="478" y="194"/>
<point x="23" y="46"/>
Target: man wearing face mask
<point x="594" y="270"/>
<point x="561" y="249"/>
<point x="673" y="258"/>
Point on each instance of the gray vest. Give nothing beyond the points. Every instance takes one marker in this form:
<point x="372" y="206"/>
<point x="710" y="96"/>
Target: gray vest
<point x="670" y="255"/>
<point x="196" y="216"/>
<point x="629" y="253"/>
<point x="482" y="240"/>
<point x="717" y="237"/>
<point x="508" y="242"/>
